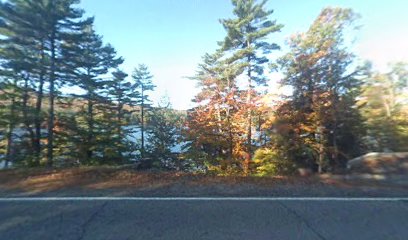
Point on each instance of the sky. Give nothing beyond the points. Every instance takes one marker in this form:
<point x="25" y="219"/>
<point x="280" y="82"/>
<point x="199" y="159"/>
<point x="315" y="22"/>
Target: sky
<point x="171" y="36"/>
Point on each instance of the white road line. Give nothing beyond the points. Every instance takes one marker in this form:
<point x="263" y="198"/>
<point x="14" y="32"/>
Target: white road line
<point x="311" y="199"/>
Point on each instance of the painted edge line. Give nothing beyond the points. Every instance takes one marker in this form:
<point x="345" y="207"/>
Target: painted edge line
<point x="84" y="199"/>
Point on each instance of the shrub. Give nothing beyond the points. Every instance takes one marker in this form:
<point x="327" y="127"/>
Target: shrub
<point x="268" y="162"/>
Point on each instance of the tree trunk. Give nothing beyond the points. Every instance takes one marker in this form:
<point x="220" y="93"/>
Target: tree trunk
<point x="9" y="141"/>
<point x="10" y="131"/>
<point x="219" y="119"/>
<point x="228" y="117"/>
<point x="387" y="107"/>
<point x="142" y="151"/>
<point x="38" y="107"/>
<point x="90" y="137"/>
<point x="51" y="117"/>
<point x="230" y="135"/>
<point x="260" y="138"/>
<point x="249" y="120"/>
<point x="321" y="150"/>
<point x="335" y="123"/>
<point x="119" y="129"/>
<point x="26" y="119"/>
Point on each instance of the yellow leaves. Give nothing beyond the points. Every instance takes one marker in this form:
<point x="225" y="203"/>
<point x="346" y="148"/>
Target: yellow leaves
<point x="317" y="56"/>
<point x="307" y="128"/>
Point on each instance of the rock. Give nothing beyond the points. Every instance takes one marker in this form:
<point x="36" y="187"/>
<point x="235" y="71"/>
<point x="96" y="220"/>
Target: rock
<point x="380" y="163"/>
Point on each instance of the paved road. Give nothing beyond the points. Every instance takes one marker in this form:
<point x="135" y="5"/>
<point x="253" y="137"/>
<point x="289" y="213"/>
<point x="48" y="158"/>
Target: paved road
<point x="149" y="220"/>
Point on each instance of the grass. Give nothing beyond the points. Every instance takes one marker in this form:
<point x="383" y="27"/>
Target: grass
<point x="42" y="179"/>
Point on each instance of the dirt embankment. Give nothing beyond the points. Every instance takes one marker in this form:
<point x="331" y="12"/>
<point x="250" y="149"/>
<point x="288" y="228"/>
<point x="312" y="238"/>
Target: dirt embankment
<point x="107" y="181"/>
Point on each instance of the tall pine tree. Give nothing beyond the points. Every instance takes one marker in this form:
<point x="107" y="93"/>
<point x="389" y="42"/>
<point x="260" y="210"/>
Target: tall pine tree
<point x="61" y="19"/>
<point x="123" y="104"/>
<point x="87" y="61"/>
<point x="142" y="85"/>
<point x="247" y="43"/>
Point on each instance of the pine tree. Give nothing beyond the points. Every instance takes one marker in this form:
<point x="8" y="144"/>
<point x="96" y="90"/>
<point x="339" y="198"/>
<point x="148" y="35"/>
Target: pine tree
<point x="49" y="44"/>
<point x="143" y="84"/>
<point x="123" y="100"/>
<point x="121" y="93"/>
<point x="247" y="44"/>
<point x="87" y="60"/>
<point x="60" y="20"/>
<point x="20" y="51"/>
<point x="164" y="131"/>
<point x="9" y="116"/>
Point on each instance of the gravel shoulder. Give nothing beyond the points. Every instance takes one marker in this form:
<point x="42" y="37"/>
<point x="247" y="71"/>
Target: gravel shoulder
<point x="107" y="181"/>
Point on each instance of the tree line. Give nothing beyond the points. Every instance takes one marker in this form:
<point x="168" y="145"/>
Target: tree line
<point x="337" y="109"/>
<point x="47" y="46"/>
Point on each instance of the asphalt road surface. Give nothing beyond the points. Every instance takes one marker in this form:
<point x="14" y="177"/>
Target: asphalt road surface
<point x="203" y="219"/>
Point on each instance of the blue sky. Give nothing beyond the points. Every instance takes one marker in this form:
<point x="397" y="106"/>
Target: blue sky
<point x="170" y="36"/>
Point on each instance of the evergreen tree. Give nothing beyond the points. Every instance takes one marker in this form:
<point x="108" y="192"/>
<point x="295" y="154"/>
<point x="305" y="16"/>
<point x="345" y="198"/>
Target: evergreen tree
<point x="87" y="61"/>
<point x="19" y="52"/>
<point x="248" y="45"/>
<point x="61" y="19"/>
<point x="123" y="99"/>
<point x="143" y="84"/>
<point x="164" y="131"/>
<point x="9" y="117"/>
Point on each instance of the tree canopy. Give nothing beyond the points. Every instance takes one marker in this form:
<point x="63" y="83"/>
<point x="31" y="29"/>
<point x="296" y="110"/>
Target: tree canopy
<point x="336" y="108"/>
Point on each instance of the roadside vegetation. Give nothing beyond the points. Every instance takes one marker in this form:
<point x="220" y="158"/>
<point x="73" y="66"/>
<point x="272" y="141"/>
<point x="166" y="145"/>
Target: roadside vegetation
<point x="335" y="108"/>
<point x="124" y="181"/>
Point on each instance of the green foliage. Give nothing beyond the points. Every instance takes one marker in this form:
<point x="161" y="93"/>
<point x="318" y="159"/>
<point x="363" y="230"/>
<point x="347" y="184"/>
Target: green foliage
<point x="222" y="123"/>
<point x="47" y="45"/>
<point x="214" y="125"/>
<point x="320" y="118"/>
<point x="384" y="102"/>
<point x="142" y="86"/>
<point x="88" y="59"/>
<point x="50" y="44"/>
<point x="143" y="83"/>
<point x="123" y="98"/>
<point x="246" y="37"/>
<point x="164" y="129"/>
<point x="247" y="47"/>
<point x="223" y="167"/>
<point x="269" y="162"/>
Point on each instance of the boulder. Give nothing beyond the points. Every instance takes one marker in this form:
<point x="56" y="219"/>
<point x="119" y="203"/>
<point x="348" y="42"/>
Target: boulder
<point x="380" y="163"/>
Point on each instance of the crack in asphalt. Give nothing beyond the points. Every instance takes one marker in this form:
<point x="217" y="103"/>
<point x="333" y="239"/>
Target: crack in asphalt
<point x="85" y="225"/>
<point x="303" y="220"/>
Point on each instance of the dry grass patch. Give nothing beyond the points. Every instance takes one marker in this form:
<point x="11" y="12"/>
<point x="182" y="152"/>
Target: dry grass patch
<point x="44" y="180"/>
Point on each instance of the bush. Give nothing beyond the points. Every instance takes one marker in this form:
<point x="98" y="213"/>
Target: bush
<point x="268" y="162"/>
<point x="223" y="167"/>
